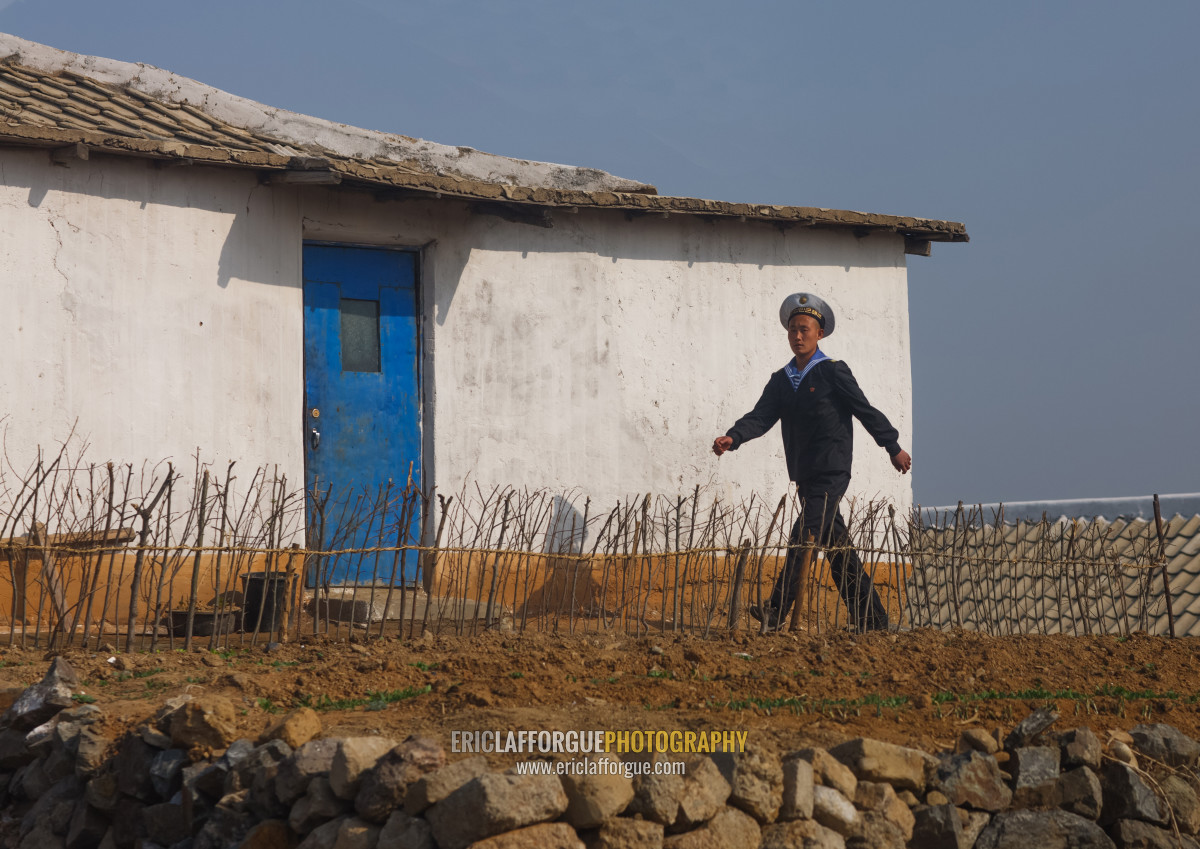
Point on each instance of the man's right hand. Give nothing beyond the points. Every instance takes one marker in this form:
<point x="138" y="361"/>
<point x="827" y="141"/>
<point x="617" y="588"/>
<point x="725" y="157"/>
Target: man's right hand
<point x="722" y="444"/>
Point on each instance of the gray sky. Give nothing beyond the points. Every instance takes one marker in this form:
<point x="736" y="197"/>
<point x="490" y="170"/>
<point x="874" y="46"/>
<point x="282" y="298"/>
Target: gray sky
<point x="1055" y="356"/>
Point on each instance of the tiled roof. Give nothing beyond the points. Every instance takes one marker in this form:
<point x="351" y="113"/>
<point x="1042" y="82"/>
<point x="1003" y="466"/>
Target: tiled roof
<point x="1049" y="577"/>
<point x="112" y="107"/>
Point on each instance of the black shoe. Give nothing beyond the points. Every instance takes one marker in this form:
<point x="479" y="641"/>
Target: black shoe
<point x="766" y="613"/>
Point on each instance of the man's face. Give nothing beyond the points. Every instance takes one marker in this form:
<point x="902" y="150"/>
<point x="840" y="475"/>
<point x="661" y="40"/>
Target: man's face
<point x="804" y="332"/>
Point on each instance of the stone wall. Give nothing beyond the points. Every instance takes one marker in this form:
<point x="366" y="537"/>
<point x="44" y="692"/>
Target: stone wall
<point x="183" y="781"/>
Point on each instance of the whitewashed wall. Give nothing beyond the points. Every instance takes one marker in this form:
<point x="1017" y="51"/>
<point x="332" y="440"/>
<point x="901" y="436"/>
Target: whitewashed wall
<point x="157" y="309"/>
<point x="161" y="309"/>
<point x="607" y="354"/>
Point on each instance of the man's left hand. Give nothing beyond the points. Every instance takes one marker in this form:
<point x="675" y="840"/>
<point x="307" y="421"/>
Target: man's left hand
<point x="902" y="461"/>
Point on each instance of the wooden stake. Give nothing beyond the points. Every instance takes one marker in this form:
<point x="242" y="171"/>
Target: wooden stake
<point x="801" y="594"/>
<point x="1162" y="544"/>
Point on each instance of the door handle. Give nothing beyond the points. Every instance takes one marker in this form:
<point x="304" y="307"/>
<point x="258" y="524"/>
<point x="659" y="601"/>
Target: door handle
<point x="314" y="438"/>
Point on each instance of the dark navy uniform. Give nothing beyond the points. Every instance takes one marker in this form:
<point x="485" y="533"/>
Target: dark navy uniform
<point x="818" y="442"/>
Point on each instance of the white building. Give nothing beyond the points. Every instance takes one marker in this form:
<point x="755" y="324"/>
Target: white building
<point x="169" y="248"/>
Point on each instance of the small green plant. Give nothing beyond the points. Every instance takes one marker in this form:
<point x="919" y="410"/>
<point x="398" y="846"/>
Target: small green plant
<point x="382" y="698"/>
<point x="83" y="698"/>
<point x="267" y="705"/>
<point x="423" y="666"/>
<point x="661" y="673"/>
<point x="146" y="673"/>
<point x="516" y="675"/>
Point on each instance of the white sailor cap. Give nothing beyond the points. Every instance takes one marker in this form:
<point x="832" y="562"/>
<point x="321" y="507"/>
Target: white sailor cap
<point x="804" y="303"/>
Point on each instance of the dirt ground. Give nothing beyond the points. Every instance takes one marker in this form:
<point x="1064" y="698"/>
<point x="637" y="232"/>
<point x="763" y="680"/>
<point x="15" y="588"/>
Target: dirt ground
<point x="918" y="688"/>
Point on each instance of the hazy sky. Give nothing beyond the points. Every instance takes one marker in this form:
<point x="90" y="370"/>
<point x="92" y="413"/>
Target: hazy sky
<point x="1054" y="356"/>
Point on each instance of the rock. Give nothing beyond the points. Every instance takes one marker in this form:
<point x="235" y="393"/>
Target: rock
<point x="203" y="780"/>
<point x="54" y="807"/>
<point x="227" y="825"/>
<point x="973" y="825"/>
<point x="403" y="831"/>
<point x="154" y="737"/>
<point x="87" y="826"/>
<point x="354" y="756"/>
<point x="342" y="833"/>
<point x="801" y="834"/>
<point x="596" y="795"/>
<point x="907" y="797"/>
<point x="873" y="760"/>
<point x="1079" y="792"/>
<point x="13" y="752"/>
<point x="728" y="829"/>
<point x="755" y="779"/>
<point x="1183" y="801"/>
<point x="101" y="792"/>
<point x="437" y="785"/>
<point x="295" y="728"/>
<point x="1079" y="747"/>
<point x="45" y="699"/>
<point x="621" y="833"/>
<point x="1121" y="751"/>
<point x="494" y="803"/>
<point x="133" y="762"/>
<point x="973" y="779"/>
<point x="1030" y="727"/>
<point x="977" y="740"/>
<point x="41" y="837"/>
<point x="797" y="798"/>
<point x="1043" y="829"/>
<point x="318" y="805"/>
<point x="209" y="721"/>
<point x="938" y="827"/>
<point x="1126" y="796"/>
<point x="128" y="826"/>
<point x="260" y="772"/>
<point x="704" y="793"/>
<point x="1035" y="775"/>
<point x="1134" y="834"/>
<point x="310" y="760"/>
<point x="833" y="810"/>
<point x="882" y="799"/>
<point x="557" y="835"/>
<point x="165" y="823"/>
<point x="91" y="752"/>
<point x="165" y="772"/>
<point x="269" y="834"/>
<point x="875" y="831"/>
<point x="383" y="788"/>
<point x="828" y="770"/>
<point x="656" y="797"/>
<point x="31" y="781"/>
<point x="1165" y="744"/>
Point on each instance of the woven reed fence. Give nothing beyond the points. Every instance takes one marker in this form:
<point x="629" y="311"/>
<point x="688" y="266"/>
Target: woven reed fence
<point x="155" y="557"/>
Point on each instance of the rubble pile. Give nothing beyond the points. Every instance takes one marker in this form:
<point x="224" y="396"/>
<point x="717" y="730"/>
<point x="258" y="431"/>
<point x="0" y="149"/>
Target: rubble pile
<point x="182" y="781"/>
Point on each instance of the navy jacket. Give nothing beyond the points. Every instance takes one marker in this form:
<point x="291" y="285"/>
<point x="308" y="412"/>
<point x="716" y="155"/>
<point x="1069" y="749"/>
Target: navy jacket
<point x="818" y="434"/>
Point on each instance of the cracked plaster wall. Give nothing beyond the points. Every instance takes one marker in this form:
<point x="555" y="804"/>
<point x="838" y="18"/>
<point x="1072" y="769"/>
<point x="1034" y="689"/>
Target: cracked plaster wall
<point x="162" y="309"/>
<point x="159" y="309"/>
<point x="604" y="355"/>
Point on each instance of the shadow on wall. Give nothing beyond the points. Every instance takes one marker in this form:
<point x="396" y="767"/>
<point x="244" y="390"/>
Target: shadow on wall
<point x="246" y="253"/>
<point x="615" y="236"/>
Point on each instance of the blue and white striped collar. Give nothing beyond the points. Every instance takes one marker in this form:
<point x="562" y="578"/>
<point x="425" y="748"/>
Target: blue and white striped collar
<point x="795" y="375"/>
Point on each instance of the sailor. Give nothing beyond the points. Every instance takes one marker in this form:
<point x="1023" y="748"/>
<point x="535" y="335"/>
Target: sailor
<point x="815" y="397"/>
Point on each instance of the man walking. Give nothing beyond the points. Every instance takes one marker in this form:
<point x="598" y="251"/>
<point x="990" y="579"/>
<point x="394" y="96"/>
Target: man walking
<point x="815" y="397"/>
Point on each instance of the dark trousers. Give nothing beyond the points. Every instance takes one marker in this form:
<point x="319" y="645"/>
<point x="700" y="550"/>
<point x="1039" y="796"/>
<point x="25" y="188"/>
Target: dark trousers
<point x="821" y="518"/>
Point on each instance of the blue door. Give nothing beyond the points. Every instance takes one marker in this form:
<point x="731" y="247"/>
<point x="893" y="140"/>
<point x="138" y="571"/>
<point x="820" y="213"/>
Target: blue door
<point x="361" y="419"/>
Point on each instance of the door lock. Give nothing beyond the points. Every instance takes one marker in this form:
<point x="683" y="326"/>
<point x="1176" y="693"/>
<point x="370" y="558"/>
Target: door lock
<point x="314" y="438"/>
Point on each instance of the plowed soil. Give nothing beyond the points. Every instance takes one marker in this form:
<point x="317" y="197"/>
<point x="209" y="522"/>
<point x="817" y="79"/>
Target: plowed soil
<point x="918" y="688"/>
